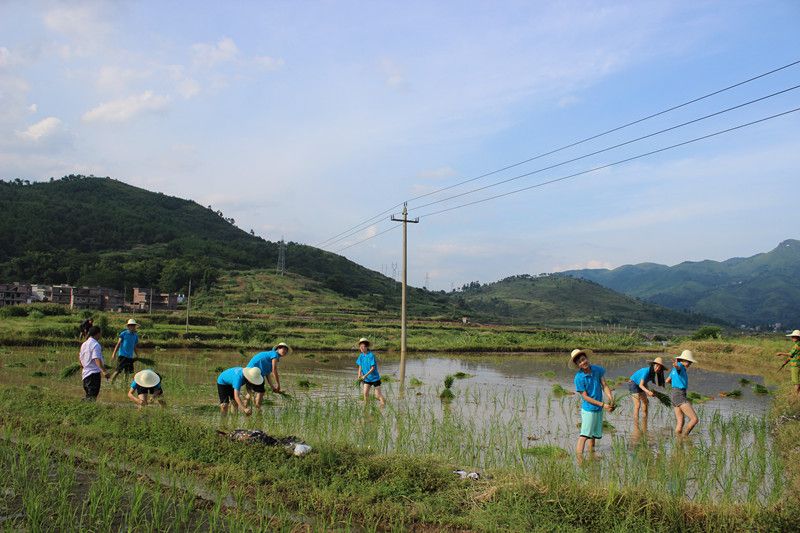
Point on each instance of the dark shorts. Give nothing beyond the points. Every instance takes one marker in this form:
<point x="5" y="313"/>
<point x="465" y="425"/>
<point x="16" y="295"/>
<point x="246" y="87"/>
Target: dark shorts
<point x="678" y="397"/>
<point x="255" y="388"/>
<point x="91" y="385"/>
<point x="225" y="393"/>
<point x="633" y="387"/>
<point x="373" y="383"/>
<point x="155" y="391"/>
<point x="125" y="364"/>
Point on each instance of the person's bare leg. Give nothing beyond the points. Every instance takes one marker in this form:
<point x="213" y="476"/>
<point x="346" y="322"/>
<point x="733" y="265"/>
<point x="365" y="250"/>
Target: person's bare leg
<point x="366" y="392"/>
<point x="259" y="399"/>
<point x="688" y="410"/>
<point x="678" y="420"/>
<point x="580" y="446"/>
<point x="636" y="404"/>
<point x="645" y="407"/>
<point x="223" y="408"/>
<point x="379" y="396"/>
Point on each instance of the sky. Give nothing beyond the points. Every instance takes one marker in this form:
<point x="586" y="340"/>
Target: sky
<point x="304" y="119"/>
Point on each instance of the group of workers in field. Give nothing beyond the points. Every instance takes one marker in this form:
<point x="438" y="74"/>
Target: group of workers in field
<point x="262" y="369"/>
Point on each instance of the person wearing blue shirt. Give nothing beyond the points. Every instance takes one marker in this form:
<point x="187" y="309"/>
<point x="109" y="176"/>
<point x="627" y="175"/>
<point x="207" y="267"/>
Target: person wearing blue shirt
<point x="126" y="349"/>
<point x="230" y="381"/>
<point x="590" y="383"/>
<point x="267" y="362"/>
<point x="640" y="393"/>
<point x="680" y="403"/>
<point x="146" y="383"/>
<point x="368" y="371"/>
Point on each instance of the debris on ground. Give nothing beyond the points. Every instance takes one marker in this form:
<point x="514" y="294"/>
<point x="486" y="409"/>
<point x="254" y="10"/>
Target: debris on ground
<point x="292" y="444"/>
<point x="463" y="474"/>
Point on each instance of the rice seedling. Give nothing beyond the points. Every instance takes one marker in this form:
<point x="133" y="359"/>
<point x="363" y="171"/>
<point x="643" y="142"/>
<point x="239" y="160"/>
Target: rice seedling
<point x="39" y="374"/>
<point x="663" y="398"/>
<point x="309" y="356"/>
<point x="736" y="393"/>
<point x="548" y="374"/>
<point x="306" y="384"/>
<point x="558" y="390"/>
<point x="744" y="381"/>
<point x="760" y="389"/>
<point x="545" y="451"/>
<point x="447" y="393"/>
<point x="415" y="382"/>
<point x="696" y="397"/>
<point x="145" y="361"/>
<point x="463" y="375"/>
<point x="71" y="370"/>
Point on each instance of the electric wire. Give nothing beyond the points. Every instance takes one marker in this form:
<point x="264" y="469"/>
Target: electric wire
<point x="358" y="227"/>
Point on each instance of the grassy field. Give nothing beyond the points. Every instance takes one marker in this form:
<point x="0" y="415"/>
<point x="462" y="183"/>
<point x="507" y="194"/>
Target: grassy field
<point x="106" y="465"/>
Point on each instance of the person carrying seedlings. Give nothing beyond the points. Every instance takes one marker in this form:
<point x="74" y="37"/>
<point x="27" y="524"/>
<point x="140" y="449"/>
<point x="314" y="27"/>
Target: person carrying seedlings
<point x="637" y="386"/>
<point x="793" y="359"/>
<point x="267" y="363"/>
<point x="91" y="359"/>
<point x="680" y="403"/>
<point x="368" y="371"/>
<point x="126" y="348"/>
<point x="590" y="383"/>
<point x="146" y="384"/>
<point x="230" y="381"/>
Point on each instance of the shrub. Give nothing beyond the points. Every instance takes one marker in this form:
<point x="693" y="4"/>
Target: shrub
<point x="13" y="310"/>
<point x="707" y="332"/>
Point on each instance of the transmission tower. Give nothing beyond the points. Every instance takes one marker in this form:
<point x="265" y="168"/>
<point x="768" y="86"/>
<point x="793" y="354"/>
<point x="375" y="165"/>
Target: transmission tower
<point x="281" y="269"/>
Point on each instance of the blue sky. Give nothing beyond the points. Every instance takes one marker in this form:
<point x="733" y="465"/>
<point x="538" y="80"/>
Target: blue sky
<point x="302" y="119"/>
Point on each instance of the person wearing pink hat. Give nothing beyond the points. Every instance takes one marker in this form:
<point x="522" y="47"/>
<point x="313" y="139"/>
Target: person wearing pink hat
<point x="793" y="359"/>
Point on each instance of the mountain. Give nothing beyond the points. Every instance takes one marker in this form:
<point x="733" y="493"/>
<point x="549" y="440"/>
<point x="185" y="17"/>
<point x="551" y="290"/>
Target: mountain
<point x="100" y="231"/>
<point x="564" y="301"/>
<point x="758" y="290"/>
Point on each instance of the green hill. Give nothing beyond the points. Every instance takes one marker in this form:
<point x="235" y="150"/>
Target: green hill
<point x="99" y="231"/>
<point x="756" y="290"/>
<point x="563" y="301"/>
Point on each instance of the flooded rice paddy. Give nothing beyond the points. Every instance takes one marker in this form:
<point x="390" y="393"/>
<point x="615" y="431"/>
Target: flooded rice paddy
<point x="505" y="415"/>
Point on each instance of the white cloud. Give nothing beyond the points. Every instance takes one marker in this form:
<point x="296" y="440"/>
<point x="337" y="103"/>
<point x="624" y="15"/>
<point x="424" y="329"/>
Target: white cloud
<point x="8" y="59"/>
<point x="82" y="24"/>
<point x="591" y="263"/>
<point x="43" y="129"/>
<point x="113" y="78"/>
<point x="209" y="55"/>
<point x="33" y="108"/>
<point x="127" y="108"/>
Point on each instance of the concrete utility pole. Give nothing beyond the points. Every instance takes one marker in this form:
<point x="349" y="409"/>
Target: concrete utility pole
<point x="405" y="222"/>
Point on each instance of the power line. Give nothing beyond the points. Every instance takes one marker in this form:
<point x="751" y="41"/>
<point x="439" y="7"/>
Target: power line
<point x="621" y="161"/>
<point x="356" y="228"/>
<point x="368" y="238"/>
<point x="550" y="167"/>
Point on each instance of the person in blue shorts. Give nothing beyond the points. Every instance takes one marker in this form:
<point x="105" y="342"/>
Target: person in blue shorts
<point x="637" y="386"/>
<point x="146" y="384"/>
<point x="680" y="403"/>
<point x="230" y="381"/>
<point x="126" y="349"/>
<point x="590" y="383"/>
<point x="267" y="362"/>
<point x="368" y="371"/>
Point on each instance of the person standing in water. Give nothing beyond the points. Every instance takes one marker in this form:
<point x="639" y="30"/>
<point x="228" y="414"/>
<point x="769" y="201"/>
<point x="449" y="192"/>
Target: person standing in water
<point x="368" y="371"/>
<point x="126" y="348"/>
<point x="637" y="386"/>
<point x="793" y="359"/>
<point x="91" y="359"/>
<point x="591" y="384"/>
<point x="267" y="362"/>
<point x="680" y="403"/>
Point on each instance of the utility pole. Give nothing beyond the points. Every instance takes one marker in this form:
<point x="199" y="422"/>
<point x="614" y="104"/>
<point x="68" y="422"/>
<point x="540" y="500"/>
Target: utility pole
<point x="405" y="222"/>
<point x="188" y="305"/>
<point x="150" y="301"/>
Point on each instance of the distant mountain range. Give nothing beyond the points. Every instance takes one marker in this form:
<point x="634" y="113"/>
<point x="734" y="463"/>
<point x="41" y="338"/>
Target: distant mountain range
<point x="758" y="290"/>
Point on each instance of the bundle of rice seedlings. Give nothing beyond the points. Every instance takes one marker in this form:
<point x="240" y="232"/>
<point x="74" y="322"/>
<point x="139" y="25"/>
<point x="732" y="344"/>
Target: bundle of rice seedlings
<point x="760" y="389"/>
<point x="447" y="393"/>
<point x="414" y="382"/>
<point x="697" y="397"/>
<point x="306" y="384"/>
<point x="463" y="375"/>
<point x="71" y="370"/>
<point x="663" y="398"/>
<point x="731" y="394"/>
<point x="558" y="390"/>
<point x="613" y="404"/>
<point x="744" y="381"/>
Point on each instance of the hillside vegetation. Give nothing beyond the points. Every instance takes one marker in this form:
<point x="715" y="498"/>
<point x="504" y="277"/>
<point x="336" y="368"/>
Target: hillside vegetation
<point x="756" y="290"/>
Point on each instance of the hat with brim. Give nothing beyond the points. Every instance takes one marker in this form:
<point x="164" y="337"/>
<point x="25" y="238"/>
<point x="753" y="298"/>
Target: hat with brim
<point x="363" y="340"/>
<point x="687" y="355"/>
<point x="795" y="333"/>
<point x="146" y="378"/>
<point x="132" y="322"/>
<point x="253" y="375"/>
<point x="282" y="345"/>
<point x="575" y="353"/>
<point x="658" y="361"/>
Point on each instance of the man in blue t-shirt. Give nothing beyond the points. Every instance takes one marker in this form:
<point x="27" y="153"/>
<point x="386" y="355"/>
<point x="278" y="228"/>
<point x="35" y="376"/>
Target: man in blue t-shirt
<point x="590" y="383"/>
<point x="267" y="362"/>
<point x="126" y="349"/>
<point x="230" y="381"/>
<point x="368" y="371"/>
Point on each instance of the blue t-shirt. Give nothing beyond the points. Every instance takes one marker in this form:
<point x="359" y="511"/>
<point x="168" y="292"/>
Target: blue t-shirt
<point x="590" y="383"/>
<point x="679" y="378"/>
<point x="643" y="374"/>
<point x="133" y="385"/>
<point x="263" y="361"/>
<point x="233" y="377"/>
<point x="367" y="361"/>
<point x="129" y="340"/>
